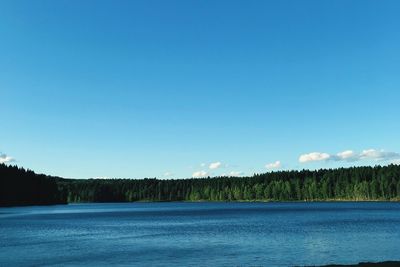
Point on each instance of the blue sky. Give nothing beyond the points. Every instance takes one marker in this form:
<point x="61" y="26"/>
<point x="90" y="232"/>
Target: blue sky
<point x="180" y="88"/>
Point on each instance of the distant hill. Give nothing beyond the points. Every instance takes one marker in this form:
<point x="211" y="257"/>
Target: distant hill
<point x="23" y="187"/>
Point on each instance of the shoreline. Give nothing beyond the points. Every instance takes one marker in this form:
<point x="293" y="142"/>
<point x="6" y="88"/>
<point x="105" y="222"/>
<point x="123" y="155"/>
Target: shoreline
<point x="208" y="201"/>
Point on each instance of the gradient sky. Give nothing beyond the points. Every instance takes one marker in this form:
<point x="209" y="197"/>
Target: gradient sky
<point x="165" y="88"/>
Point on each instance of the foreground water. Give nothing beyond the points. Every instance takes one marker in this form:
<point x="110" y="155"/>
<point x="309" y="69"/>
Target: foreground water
<point x="200" y="234"/>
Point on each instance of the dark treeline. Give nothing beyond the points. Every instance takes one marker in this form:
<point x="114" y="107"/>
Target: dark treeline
<point x="357" y="183"/>
<point x="21" y="187"/>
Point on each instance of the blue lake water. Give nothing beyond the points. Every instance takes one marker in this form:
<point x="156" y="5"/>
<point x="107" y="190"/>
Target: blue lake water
<point x="200" y="234"/>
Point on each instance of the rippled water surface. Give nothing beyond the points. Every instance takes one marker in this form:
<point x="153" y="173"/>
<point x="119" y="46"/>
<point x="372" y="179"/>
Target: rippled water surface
<point x="200" y="234"/>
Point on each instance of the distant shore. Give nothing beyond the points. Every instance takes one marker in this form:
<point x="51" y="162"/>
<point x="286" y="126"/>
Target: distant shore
<point x="19" y="187"/>
<point x="214" y="201"/>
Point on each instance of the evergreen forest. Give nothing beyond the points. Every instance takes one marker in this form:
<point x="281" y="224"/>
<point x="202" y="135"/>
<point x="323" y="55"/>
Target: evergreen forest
<point x="23" y="187"/>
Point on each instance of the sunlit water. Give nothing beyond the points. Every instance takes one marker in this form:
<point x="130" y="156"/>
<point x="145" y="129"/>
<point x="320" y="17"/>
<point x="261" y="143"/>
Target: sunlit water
<point x="199" y="234"/>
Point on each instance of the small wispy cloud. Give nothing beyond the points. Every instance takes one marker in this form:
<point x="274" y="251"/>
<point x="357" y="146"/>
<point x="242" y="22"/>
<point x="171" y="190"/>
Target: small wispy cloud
<point x="235" y="173"/>
<point x="350" y="155"/>
<point x="167" y="174"/>
<point x="215" y="165"/>
<point x="232" y="174"/>
<point x="313" y="156"/>
<point x="200" y="174"/>
<point x="273" y="165"/>
<point x="6" y="159"/>
<point x="395" y="162"/>
<point x="378" y="154"/>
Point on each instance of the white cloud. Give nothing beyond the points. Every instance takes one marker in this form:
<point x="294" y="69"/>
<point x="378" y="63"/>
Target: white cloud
<point x="378" y="154"/>
<point x="236" y="173"/>
<point x="350" y="155"/>
<point x="215" y="165"/>
<point x="314" y="156"/>
<point x="395" y="162"/>
<point x="273" y="165"/>
<point x="6" y="159"/>
<point x="346" y="155"/>
<point x="167" y="173"/>
<point x="199" y="174"/>
<point x="232" y="174"/>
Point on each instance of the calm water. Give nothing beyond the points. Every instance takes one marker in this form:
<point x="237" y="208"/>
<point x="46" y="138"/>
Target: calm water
<point x="200" y="234"/>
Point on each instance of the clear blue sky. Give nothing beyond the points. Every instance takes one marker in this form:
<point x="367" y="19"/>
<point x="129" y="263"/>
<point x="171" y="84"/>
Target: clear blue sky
<point x="144" y="88"/>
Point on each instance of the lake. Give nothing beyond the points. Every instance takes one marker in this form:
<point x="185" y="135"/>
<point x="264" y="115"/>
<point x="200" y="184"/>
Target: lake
<point x="200" y="234"/>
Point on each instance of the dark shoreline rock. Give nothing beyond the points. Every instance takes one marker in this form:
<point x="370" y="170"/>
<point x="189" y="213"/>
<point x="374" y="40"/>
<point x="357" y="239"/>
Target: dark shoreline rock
<point x="367" y="264"/>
